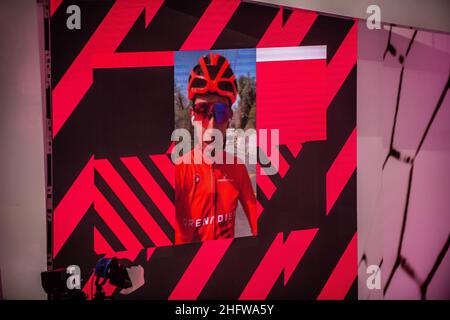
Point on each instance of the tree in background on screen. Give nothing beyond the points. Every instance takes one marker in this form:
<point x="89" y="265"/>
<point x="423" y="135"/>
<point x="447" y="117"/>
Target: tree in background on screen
<point x="182" y="118"/>
<point x="245" y="114"/>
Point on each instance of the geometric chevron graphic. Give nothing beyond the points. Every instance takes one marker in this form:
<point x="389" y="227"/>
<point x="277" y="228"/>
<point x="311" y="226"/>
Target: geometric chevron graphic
<point x="112" y="88"/>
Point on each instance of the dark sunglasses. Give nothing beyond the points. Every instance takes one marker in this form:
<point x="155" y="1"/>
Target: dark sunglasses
<point x="205" y="111"/>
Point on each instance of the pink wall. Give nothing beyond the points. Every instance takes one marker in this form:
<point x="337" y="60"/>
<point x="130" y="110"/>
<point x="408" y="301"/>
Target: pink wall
<point x="384" y="205"/>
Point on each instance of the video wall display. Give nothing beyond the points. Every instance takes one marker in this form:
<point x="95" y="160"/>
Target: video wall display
<point x="211" y="142"/>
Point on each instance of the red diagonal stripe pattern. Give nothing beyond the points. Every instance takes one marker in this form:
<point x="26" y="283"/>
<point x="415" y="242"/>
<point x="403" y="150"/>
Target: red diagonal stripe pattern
<point x="284" y="166"/>
<point x="343" y="275"/>
<point x="78" y="78"/>
<point x="265" y="184"/>
<point x="101" y="246"/>
<point x="294" y="148"/>
<point x="115" y="223"/>
<point x="165" y="166"/>
<point x="210" y="25"/>
<point x="131" y="202"/>
<point x="200" y="269"/>
<point x="54" y="4"/>
<point x="73" y="206"/>
<point x="341" y="64"/>
<point x="341" y="170"/>
<point x="278" y="257"/>
<point x="151" y="187"/>
<point x="292" y="33"/>
<point x="259" y="208"/>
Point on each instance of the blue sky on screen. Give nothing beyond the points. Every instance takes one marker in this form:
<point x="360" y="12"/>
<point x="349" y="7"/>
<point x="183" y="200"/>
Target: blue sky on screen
<point x="242" y="61"/>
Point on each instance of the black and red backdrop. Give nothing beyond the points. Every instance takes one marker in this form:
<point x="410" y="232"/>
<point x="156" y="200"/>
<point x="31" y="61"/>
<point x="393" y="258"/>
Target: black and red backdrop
<point x="110" y="177"/>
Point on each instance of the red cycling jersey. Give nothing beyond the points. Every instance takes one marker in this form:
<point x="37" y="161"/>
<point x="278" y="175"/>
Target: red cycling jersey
<point x="206" y="198"/>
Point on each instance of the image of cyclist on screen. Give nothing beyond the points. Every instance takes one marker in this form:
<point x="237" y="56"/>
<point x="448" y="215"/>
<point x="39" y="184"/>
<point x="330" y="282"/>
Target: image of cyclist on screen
<point x="207" y="193"/>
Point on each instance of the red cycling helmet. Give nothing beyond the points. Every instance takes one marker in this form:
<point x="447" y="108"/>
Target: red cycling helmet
<point x="212" y="74"/>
